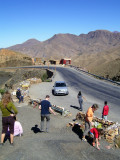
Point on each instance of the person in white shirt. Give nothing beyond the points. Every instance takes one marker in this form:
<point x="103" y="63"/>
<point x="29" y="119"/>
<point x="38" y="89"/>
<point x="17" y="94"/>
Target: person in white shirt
<point x="18" y="130"/>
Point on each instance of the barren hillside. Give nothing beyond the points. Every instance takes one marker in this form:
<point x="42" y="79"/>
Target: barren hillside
<point x="10" y="58"/>
<point x="105" y="64"/>
<point x="69" y="45"/>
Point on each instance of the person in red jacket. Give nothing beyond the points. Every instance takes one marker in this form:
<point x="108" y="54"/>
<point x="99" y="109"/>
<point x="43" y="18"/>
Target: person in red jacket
<point x="95" y="132"/>
<point x="105" y="110"/>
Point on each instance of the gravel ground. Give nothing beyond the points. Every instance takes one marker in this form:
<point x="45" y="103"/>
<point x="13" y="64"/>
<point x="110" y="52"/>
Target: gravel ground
<point x="62" y="142"/>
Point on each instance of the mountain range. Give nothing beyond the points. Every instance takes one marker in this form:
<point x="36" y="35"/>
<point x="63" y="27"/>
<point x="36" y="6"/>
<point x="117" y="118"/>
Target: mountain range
<point x="69" y="45"/>
<point x="98" y="51"/>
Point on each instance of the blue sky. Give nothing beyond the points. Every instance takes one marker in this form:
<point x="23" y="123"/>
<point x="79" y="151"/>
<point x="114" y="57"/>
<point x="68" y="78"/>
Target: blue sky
<point x="21" y="20"/>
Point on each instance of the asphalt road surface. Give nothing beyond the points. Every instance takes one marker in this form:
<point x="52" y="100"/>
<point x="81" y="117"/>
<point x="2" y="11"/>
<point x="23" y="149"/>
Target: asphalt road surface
<point x="98" y="90"/>
<point x="62" y="142"/>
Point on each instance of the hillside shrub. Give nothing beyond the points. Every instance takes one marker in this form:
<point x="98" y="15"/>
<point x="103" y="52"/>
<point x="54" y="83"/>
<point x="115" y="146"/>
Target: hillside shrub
<point x="44" y="77"/>
<point x="2" y="91"/>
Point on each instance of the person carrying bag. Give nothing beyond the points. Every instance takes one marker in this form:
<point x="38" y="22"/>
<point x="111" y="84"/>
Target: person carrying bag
<point x="6" y="106"/>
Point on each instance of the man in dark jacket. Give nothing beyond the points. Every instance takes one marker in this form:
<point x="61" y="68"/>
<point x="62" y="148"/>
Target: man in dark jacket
<point x="18" y="95"/>
<point x="45" y="107"/>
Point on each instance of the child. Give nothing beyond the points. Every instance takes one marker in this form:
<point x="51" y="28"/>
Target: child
<point x="105" y="110"/>
<point x="18" y="130"/>
<point x="95" y="132"/>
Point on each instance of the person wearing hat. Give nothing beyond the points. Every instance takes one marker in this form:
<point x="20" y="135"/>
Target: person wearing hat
<point x="19" y="96"/>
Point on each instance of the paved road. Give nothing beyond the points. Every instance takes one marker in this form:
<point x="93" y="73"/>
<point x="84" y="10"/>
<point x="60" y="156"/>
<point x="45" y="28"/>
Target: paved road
<point x="92" y="86"/>
<point x="62" y="143"/>
<point x="95" y="89"/>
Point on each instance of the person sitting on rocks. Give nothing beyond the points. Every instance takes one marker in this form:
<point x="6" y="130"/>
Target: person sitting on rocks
<point x="19" y="96"/>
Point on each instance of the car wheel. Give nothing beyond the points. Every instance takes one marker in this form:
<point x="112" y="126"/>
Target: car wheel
<point x="53" y="92"/>
<point x="67" y="93"/>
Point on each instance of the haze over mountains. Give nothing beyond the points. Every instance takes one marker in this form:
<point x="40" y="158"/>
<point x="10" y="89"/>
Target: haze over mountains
<point x="98" y="51"/>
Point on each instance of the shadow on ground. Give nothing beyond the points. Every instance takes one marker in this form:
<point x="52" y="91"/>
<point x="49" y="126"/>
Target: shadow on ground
<point x="35" y="129"/>
<point x="76" y="129"/>
<point x="78" y="108"/>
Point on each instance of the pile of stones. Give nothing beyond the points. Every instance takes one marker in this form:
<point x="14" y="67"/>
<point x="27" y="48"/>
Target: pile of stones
<point x="111" y="129"/>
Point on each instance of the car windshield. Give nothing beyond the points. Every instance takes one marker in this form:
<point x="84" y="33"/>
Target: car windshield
<point x="60" y="85"/>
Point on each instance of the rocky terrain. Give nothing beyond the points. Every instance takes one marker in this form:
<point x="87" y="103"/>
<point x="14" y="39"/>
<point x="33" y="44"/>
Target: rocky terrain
<point x="10" y="58"/>
<point x="15" y="76"/>
<point x="105" y="64"/>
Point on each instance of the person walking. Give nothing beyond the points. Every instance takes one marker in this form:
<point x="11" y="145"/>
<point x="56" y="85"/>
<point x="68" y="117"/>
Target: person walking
<point x="45" y="107"/>
<point x="88" y="120"/>
<point x="7" y="106"/>
<point x="80" y="100"/>
<point x="105" y="111"/>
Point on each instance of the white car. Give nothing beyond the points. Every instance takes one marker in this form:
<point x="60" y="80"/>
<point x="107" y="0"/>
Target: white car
<point x="60" y="88"/>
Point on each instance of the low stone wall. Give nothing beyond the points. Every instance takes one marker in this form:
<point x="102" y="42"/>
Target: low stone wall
<point x="111" y="129"/>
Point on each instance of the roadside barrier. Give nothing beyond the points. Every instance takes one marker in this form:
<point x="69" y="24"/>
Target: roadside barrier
<point x="81" y="70"/>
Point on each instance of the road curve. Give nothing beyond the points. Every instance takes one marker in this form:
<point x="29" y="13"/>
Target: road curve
<point x="97" y="89"/>
<point x="89" y="85"/>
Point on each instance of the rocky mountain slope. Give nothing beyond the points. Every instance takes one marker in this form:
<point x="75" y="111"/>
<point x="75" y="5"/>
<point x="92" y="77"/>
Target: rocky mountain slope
<point x="106" y="64"/>
<point x="12" y="77"/>
<point x="98" y="51"/>
<point x="69" y="45"/>
<point x="10" y="58"/>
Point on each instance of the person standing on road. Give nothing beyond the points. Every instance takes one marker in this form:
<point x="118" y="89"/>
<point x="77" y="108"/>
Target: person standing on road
<point x="6" y="106"/>
<point x="45" y="107"/>
<point x="80" y="100"/>
<point x="105" y="111"/>
<point x="88" y="120"/>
